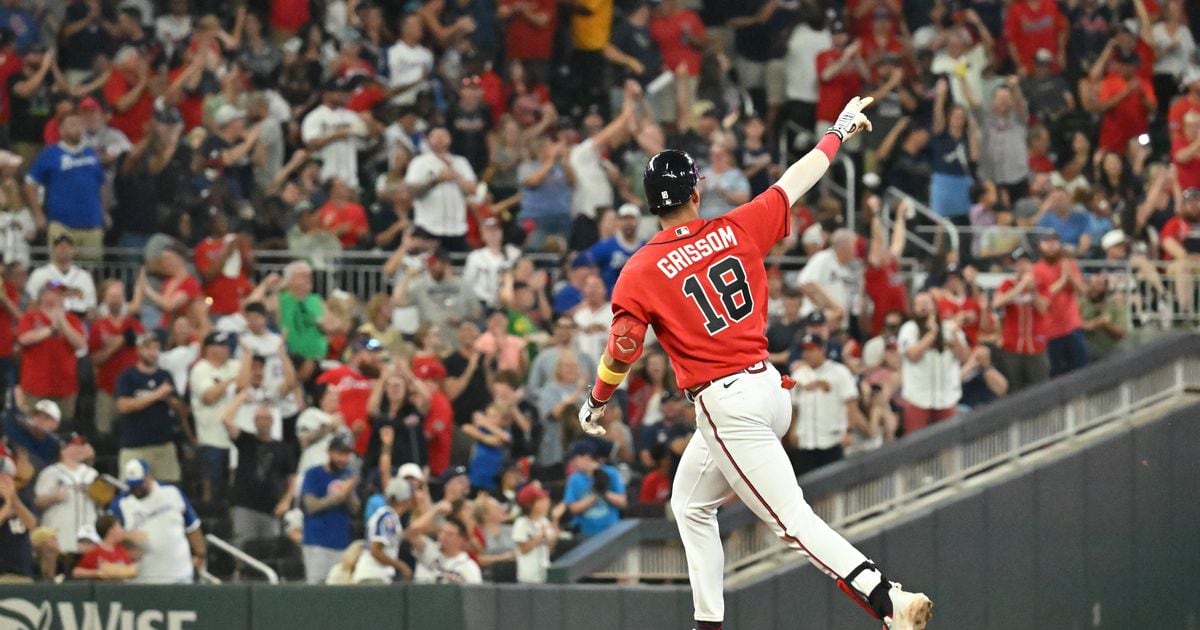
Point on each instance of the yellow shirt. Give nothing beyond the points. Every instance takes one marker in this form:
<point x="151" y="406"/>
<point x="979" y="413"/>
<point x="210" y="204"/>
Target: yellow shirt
<point x="591" y="32"/>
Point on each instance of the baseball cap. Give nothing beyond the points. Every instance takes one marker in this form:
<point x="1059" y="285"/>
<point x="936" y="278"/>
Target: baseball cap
<point x="398" y="489"/>
<point x="63" y="236"/>
<point x="530" y="495"/>
<point x="168" y="115"/>
<point x="148" y="337"/>
<point x="1112" y="238"/>
<point x="428" y="369"/>
<point x="135" y="473"/>
<point x="1043" y="56"/>
<point x="953" y="270"/>
<point x="582" y="447"/>
<point x="49" y="408"/>
<point x="89" y="104"/>
<point x="451" y="473"/>
<point x="583" y="259"/>
<point x="1051" y="236"/>
<point x="88" y="532"/>
<point x="1020" y="253"/>
<point x="292" y="45"/>
<point x="815" y="318"/>
<point x="812" y="341"/>
<point x="226" y="114"/>
<point x="340" y="442"/>
<point x="256" y="307"/>
<point x="335" y="84"/>
<point x="217" y="338"/>
<point x="491" y="222"/>
<point x="369" y="344"/>
<point x="836" y="27"/>
<point x="411" y="470"/>
<point x="74" y="439"/>
<point x="1128" y="56"/>
<point x="629" y="210"/>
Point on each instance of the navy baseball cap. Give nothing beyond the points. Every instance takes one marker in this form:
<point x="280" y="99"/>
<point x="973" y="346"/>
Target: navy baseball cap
<point x="812" y="341"/>
<point x="341" y="442"/>
<point x="582" y="447"/>
<point x="451" y="473"/>
<point x="815" y="318"/>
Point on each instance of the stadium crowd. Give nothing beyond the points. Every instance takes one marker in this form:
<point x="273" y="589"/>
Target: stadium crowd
<point x="428" y="432"/>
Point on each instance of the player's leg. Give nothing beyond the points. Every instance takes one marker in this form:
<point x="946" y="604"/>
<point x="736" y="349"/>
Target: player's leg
<point x="699" y="489"/>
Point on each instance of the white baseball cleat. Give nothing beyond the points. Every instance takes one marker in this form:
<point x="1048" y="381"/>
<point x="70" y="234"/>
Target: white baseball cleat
<point x="910" y="611"/>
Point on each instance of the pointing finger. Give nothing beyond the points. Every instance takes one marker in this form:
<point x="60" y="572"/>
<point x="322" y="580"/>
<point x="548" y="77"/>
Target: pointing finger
<point x="865" y="102"/>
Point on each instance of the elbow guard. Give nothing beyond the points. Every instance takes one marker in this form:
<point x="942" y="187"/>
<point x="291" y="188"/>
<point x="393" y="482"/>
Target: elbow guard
<point x="626" y="340"/>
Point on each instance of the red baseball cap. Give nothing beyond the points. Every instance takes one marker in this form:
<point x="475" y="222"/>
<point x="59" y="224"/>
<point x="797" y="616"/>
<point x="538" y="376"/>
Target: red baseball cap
<point x="428" y="368"/>
<point x="530" y="494"/>
<point x="89" y="103"/>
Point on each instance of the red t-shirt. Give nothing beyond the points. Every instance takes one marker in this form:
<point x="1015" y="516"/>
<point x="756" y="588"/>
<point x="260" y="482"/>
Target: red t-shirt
<point x="949" y="308"/>
<point x="125" y="356"/>
<point x="1187" y="172"/>
<point x="1128" y="118"/>
<point x="1063" y="315"/>
<point x="656" y="488"/>
<point x="872" y="50"/>
<point x="289" y="15"/>
<point x="1023" y="328"/>
<point x="131" y="122"/>
<point x="48" y="366"/>
<point x="353" y="391"/>
<point x="439" y="431"/>
<point x="190" y="106"/>
<point x="1028" y="28"/>
<point x="703" y="287"/>
<point x="189" y="286"/>
<point x="226" y="292"/>
<point x="8" y="334"/>
<point x="833" y="94"/>
<point x="10" y="64"/>
<point x="349" y="214"/>
<point x="524" y="39"/>
<point x="1041" y="164"/>
<point x="887" y="290"/>
<point x="96" y="555"/>
<point x="669" y="33"/>
<point x="1179" y="109"/>
<point x="366" y="97"/>
<point x="1188" y="234"/>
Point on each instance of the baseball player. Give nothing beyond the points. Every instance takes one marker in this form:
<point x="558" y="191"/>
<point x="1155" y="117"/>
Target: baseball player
<point x="702" y="285"/>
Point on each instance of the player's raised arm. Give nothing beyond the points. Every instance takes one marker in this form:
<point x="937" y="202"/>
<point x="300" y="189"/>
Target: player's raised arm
<point x="805" y="172"/>
<point x="626" y="340"/>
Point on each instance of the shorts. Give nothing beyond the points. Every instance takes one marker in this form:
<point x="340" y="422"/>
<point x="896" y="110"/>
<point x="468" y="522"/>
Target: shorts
<point x="163" y="460"/>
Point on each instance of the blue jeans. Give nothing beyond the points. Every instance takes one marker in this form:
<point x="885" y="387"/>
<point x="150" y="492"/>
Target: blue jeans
<point x="1067" y="353"/>
<point x="214" y="469"/>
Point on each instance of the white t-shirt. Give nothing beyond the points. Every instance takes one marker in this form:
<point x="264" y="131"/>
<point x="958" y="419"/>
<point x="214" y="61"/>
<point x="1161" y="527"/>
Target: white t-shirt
<point x="407" y="64"/>
<point x="801" y="62"/>
<point x="340" y="157"/>
<point x="592" y="188"/>
<point x="317" y="453"/>
<point x="934" y="382"/>
<point x="166" y="516"/>
<point x="383" y="527"/>
<point x="210" y="431"/>
<point x="435" y="568"/>
<point x="532" y="566"/>
<point x="442" y="210"/>
<point x="259" y="396"/>
<point x="74" y="279"/>
<point x="821" y="415"/>
<point x="178" y="363"/>
<point x="16" y="228"/>
<point x="266" y="345"/>
<point x="841" y="282"/>
<point x="173" y="30"/>
<point x="1175" y="62"/>
<point x="484" y="269"/>
<point x="975" y="59"/>
<point x="77" y="509"/>
<point x="592" y="343"/>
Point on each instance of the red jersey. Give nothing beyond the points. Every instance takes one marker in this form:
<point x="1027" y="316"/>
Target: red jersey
<point x="190" y="106"/>
<point x="1129" y="117"/>
<point x="1041" y="164"/>
<point x="524" y="39"/>
<point x="48" y="366"/>
<point x="1029" y="28"/>
<point x="1023" y="330"/>
<point x="353" y="391"/>
<point x="656" y="488"/>
<point x="125" y="356"/>
<point x="1063" y="315"/>
<point x="226" y="293"/>
<point x="439" y="431"/>
<point x="131" y="122"/>
<point x="678" y="36"/>
<point x="1179" y="109"/>
<point x="8" y="324"/>
<point x="949" y="308"/>
<point x="887" y="291"/>
<point x="1183" y="231"/>
<point x="350" y="216"/>
<point x="1186" y="171"/>
<point x="93" y="558"/>
<point x="833" y="94"/>
<point x="703" y="287"/>
<point x="289" y="15"/>
<point x="189" y="286"/>
<point x="10" y="64"/>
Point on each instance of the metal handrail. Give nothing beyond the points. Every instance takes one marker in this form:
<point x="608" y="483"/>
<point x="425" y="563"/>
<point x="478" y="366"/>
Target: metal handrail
<point x="942" y="222"/>
<point x="251" y="561"/>
<point x="208" y="578"/>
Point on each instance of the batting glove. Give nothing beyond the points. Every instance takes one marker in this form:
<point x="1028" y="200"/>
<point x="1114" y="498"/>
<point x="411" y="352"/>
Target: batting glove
<point x="589" y="417"/>
<point x="852" y="120"/>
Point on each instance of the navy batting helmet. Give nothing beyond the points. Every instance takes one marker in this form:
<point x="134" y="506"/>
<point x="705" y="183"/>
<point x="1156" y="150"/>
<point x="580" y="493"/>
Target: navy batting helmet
<point x="670" y="177"/>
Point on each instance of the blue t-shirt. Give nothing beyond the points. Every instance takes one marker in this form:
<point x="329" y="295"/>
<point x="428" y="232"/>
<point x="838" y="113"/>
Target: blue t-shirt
<point x="23" y="24"/>
<point x="153" y="425"/>
<point x="566" y="298"/>
<point x="44" y="451"/>
<point x="72" y="181"/>
<point x="610" y="255"/>
<point x="328" y="528"/>
<point x="549" y="198"/>
<point x="485" y="466"/>
<point x="601" y="515"/>
<point x="949" y="154"/>
<point x="1070" y="229"/>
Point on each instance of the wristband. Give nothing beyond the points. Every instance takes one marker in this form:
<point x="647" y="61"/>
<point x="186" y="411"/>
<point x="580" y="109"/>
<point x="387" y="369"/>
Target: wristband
<point x="609" y="375"/>
<point x="829" y="145"/>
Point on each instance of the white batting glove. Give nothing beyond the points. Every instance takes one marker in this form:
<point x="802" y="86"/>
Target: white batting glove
<point x="589" y="418"/>
<point x="852" y="119"/>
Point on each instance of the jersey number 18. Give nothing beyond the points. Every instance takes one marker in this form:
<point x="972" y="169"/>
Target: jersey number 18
<point x="728" y="279"/>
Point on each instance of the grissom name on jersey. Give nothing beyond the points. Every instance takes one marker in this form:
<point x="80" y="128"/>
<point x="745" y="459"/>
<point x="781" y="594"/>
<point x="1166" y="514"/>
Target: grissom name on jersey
<point x="682" y="257"/>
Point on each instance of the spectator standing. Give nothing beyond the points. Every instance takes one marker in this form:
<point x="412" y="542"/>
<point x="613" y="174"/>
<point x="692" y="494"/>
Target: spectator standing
<point x="832" y="279"/>
<point x="882" y="282"/>
<point x="234" y="151"/>
<point x="1126" y="101"/>
<point x="211" y="384"/>
<point x="180" y="295"/>
<point x="1058" y="275"/>
<point x="1105" y="318"/>
<point x="981" y="381"/>
<point x="302" y="314"/>
<point x="955" y="301"/>
<point x="1069" y="222"/>
<point x="593" y="173"/>
<point x="591" y="30"/>
<point x="129" y="90"/>
<point x="380" y="561"/>
<point x="78" y="288"/>
<point x="495" y="430"/>
<point x="30" y="90"/>
<point x="467" y="375"/>
<point x="486" y="266"/>
<point x="161" y="517"/>
<point x="328" y="500"/>
<point x="331" y="131"/>
<point x="354" y="381"/>
<point x="49" y="337"/>
<point x="1022" y="357"/>
<point x="440" y="295"/>
<point x="317" y="426"/>
<point x="409" y="64"/>
<point x="841" y="72"/>
<point x="16" y="521"/>
<point x="724" y="186"/>
<point x="224" y="261"/>
<point x="447" y="561"/>
<point x="1181" y="245"/>
<point x="440" y="181"/>
<point x="955" y="146"/>
<point x="595" y="492"/>
<point x="470" y="120"/>
<point x="534" y="534"/>
<point x="62" y="492"/>
<point x="10" y="314"/>
<point x="1031" y="25"/>
<point x="825" y="403"/>
<point x="1185" y="152"/>
<point x="933" y="352"/>
<point x="435" y="406"/>
<point x="1174" y="51"/>
<point x="1047" y="93"/>
<point x="107" y="559"/>
<point x="150" y="413"/>
<point x="71" y="177"/>
<point x="398" y="437"/>
<point x="529" y="33"/>
<point x="342" y="215"/>
<point x="808" y="39"/>
<point x="1190" y="101"/>
<point x="546" y="182"/>
<point x="1004" y="159"/>
<point x="265" y="483"/>
<point x="112" y="343"/>
<point x="611" y="253"/>
<point x="593" y="318"/>
<point x="562" y="340"/>
<point x="34" y="436"/>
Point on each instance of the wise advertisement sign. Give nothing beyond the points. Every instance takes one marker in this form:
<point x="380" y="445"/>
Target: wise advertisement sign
<point x="112" y="607"/>
<point x="23" y="614"/>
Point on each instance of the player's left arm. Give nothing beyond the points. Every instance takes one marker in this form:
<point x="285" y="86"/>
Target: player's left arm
<point x="626" y="341"/>
<point x="808" y="170"/>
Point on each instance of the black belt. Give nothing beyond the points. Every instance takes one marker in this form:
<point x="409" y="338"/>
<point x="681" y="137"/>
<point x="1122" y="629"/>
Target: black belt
<point x="757" y="368"/>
